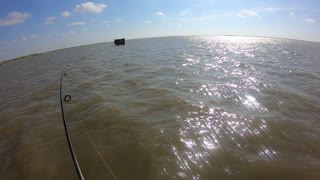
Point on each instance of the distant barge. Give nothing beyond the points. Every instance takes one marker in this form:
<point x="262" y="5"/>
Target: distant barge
<point x="119" y="42"/>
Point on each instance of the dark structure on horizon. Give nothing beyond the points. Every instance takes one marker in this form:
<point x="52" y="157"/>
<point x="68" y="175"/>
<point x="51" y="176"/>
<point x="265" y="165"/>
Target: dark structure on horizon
<point x="119" y="42"/>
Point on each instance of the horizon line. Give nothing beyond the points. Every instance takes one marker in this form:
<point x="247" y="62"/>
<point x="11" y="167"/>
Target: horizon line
<point x="44" y="52"/>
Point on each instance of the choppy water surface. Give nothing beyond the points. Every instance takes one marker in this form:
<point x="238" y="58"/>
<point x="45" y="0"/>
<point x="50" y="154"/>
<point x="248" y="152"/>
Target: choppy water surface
<point x="196" y="107"/>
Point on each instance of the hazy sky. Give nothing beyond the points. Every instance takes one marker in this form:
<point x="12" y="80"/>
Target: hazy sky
<point x="33" y="26"/>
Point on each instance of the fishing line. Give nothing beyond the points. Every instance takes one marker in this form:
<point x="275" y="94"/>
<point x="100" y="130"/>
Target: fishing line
<point x="95" y="147"/>
<point x="67" y="98"/>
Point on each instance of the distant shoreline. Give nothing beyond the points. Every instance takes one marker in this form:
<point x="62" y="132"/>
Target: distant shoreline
<point x="36" y="54"/>
<point x="19" y="58"/>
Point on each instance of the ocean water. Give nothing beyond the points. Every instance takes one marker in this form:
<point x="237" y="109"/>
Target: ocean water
<point x="190" y="107"/>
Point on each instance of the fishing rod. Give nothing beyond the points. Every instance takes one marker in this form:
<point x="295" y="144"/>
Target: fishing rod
<point x="67" y="98"/>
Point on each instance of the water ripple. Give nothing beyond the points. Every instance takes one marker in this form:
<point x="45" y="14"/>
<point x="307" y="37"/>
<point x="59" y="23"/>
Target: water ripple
<point x="195" y="107"/>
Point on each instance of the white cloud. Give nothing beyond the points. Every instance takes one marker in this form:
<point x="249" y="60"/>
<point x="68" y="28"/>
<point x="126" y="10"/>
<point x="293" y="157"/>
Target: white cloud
<point x="185" y="12"/>
<point x="90" y="7"/>
<point x="210" y="17"/>
<point x="47" y="36"/>
<point x="24" y="38"/>
<point x="204" y="18"/>
<point x="65" y="14"/>
<point x="311" y="21"/>
<point x="180" y="19"/>
<point x="33" y="36"/>
<point x="246" y="13"/>
<point x="160" y="13"/>
<point x="68" y="33"/>
<point x="148" y="22"/>
<point x="106" y="21"/>
<point x="270" y="9"/>
<point x="119" y="20"/>
<point x="14" y="18"/>
<point x="292" y="13"/>
<point x="78" y="23"/>
<point x="49" y="20"/>
<point x="276" y="9"/>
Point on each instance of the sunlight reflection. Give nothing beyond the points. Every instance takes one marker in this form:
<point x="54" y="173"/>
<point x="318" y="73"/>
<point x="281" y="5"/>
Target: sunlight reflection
<point x="221" y="119"/>
<point x="251" y="103"/>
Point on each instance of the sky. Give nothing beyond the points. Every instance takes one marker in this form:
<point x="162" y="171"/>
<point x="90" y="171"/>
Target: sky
<point x="36" y="26"/>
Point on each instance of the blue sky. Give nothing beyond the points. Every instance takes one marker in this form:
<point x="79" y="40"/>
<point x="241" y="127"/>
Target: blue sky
<point x="34" y="26"/>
